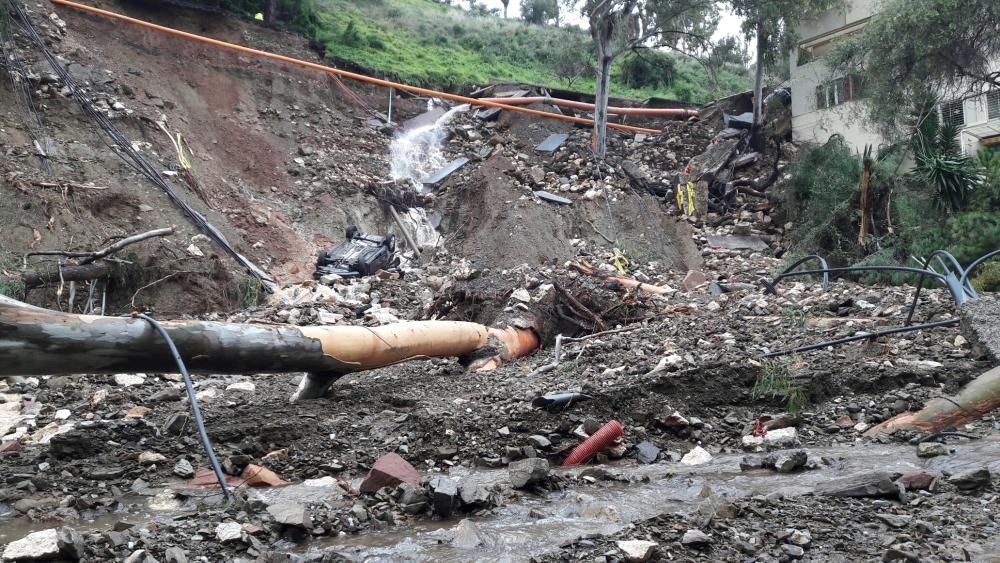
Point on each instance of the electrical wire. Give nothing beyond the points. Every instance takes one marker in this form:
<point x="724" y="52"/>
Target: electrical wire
<point x="122" y="146"/>
<point x="15" y="68"/>
<point x="189" y="386"/>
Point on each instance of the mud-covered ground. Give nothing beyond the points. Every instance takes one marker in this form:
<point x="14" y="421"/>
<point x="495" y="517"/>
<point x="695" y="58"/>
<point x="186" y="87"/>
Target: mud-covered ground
<point x="115" y="463"/>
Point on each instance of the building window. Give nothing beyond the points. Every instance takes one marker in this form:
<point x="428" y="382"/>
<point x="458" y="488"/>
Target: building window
<point x="839" y="91"/>
<point x="953" y="113"/>
<point x="993" y="104"/>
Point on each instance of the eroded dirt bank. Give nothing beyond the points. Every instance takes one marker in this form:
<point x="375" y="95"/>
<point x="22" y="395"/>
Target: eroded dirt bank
<point x="725" y="456"/>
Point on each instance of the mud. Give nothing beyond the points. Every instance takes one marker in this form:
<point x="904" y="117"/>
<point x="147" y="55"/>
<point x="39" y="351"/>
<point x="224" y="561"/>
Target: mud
<point x="283" y="162"/>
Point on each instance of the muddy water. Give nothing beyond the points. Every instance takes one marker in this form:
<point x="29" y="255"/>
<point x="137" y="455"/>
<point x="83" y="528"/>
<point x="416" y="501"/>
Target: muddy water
<point x="512" y="535"/>
<point x="535" y="524"/>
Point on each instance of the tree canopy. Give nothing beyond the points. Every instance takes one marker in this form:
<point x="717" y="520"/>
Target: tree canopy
<point x="912" y="50"/>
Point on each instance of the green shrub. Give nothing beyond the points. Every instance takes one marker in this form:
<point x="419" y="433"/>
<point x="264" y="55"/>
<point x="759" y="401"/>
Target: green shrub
<point x="777" y="381"/>
<point x="987" y="277"/>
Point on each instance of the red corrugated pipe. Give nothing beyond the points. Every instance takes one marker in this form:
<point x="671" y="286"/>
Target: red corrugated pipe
<point x="613" y="110"/>
<point x="597" y="442"/>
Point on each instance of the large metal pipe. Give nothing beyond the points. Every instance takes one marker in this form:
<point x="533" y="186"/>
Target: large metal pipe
<point x="658" y="112"/>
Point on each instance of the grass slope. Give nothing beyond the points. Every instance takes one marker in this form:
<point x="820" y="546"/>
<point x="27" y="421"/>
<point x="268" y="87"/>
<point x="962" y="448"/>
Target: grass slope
<point x="427" y="43"/>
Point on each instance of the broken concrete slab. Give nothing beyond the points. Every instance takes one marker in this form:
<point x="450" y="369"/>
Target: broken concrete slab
<point x="981" y="325"/>
<point x="708" y="164"/>
<point x="488" y="113"/>
<point x="547" y="196"/>
<point x="441" y="175"/>
<point x="746" y="159"/>
<point x="737" y="242"/>
<point x="738" y="121"/>
<point x="552" y="142"/>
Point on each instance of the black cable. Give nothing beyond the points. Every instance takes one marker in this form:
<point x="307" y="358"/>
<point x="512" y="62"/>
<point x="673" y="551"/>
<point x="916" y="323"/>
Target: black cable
<point x="865" y="336"/>
<point x="22" y="94"/>
<point x="205" y="442"/>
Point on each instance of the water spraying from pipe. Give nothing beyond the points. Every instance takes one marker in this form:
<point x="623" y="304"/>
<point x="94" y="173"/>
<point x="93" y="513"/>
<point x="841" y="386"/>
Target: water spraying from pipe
<point x="419" y="152"/>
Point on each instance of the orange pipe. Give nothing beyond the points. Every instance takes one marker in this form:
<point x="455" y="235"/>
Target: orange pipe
<point x="343" y="73"/>
<point x="679" y="112"/>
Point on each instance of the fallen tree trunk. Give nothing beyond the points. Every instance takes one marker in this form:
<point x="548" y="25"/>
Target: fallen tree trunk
<point x="975" y="400"/>
<point x="35" y="341"/>
<point x="38" y="278"/>
<point x="627" y="283"/>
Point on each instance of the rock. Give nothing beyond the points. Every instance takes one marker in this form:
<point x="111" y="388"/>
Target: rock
<point x="244" y="386"/>
<point x="53" y="543"/>
<point x="176" y="423"/>
<point x="469" y="536"/>
<point x="413" y="500"/>
<point x="871" y="484"/>
<point x="129" y="379"/>
<point x="694" y="279"/>
<point x="528" y="472"/>
<point x="540" y="442"/>
<point x="792" y="551"/>
<point x="782" y="437"/>
<point x="175" y="555"/>
<point x="537" y="174"/>
<point x="919" y="480"/>
<point x="931" y="449"/>
<point x="229" y="532"/>
<point x="389" y="471"/>
<point x="444" y="493"/>
<point x="149" y="458"/>
<point x="291" y="514"/>
<point x="895" y="520"/>
<point x="751" y="442"/>
<point x="474" y="493"/>
<point x="789" y="462"/>
<point x="695" y="538"/>
<point x="106" y="473"/>
<point x="675" y="420"/>
<point x="697" y="456"/>
<point x="184" y="469"/>
<point x="971" y="478"/>
<point x="800" y="538"/>
<point x="637" y="551"/>
<point x="646" y="452"/>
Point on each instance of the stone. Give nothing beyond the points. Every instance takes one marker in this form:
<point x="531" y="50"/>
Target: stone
<point x="871" y="484"/>
<point x="184" y="469"/>
<point x="413" y="500"/>
<point x="694" y="279"/>
<point x="637" y="551"/>
<point x="291" y="514"/>
<point x="646" y="452"/>
<point x="895" y="520"/>
<point x="53" y="543"/>
<point x="469" y="536"/>
<point x="931" y="449"/>
<point x="175" y="555"/>
<point x="229" y="532"/>
<point x="444" y="494"/>
<point x="528" y="471"/>
<point x="695" y="538"/>
<point x="919" y="480"/>
<point x="129" y="379"/>
<point x="792" y="551"/>
<point x="149" y="458"/>
<point x="696" y="456"/>
<point x="540" y="442"/>
<point x="537" y="174"/>
<point x="789" y="462"/>
<point x="782" y="437"/>
<point x="176" y="423"/>
<point x="800" y="538"/>
<point x="389" y="471"/>
<point x="751" y="442"/>
<point x="242" y="386"/>
<point x="971" y="478"/>
<point x="474" y="493"/>
<point x="675" y="420"/>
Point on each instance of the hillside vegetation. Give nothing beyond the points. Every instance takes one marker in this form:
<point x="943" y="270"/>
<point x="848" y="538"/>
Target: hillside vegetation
<point x="431" y="44"/>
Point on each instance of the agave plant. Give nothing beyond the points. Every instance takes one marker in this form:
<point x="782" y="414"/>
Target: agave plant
<point x="941" y="165"/>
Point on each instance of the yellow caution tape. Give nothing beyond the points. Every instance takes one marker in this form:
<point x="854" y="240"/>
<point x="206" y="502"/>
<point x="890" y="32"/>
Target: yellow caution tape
<point x="690" y="210"/>
<point x="680" y="197"/>
<point x="181" y="157"/>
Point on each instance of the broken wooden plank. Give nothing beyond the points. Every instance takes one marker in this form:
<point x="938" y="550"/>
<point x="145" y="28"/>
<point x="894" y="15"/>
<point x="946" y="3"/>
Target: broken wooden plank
<point x="552" y="142"/>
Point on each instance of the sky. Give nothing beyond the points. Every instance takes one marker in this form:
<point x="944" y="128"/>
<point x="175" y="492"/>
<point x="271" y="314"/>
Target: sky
<point x="729" y="24"/>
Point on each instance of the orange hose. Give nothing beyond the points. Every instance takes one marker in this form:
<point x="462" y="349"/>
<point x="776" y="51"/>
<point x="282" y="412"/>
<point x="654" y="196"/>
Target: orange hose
<point x="343" y="73"/>
<point x="680" y="112"/>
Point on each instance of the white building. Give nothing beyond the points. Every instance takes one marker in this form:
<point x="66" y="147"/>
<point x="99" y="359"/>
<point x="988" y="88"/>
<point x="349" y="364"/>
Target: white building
<point x="822" y="104"/>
